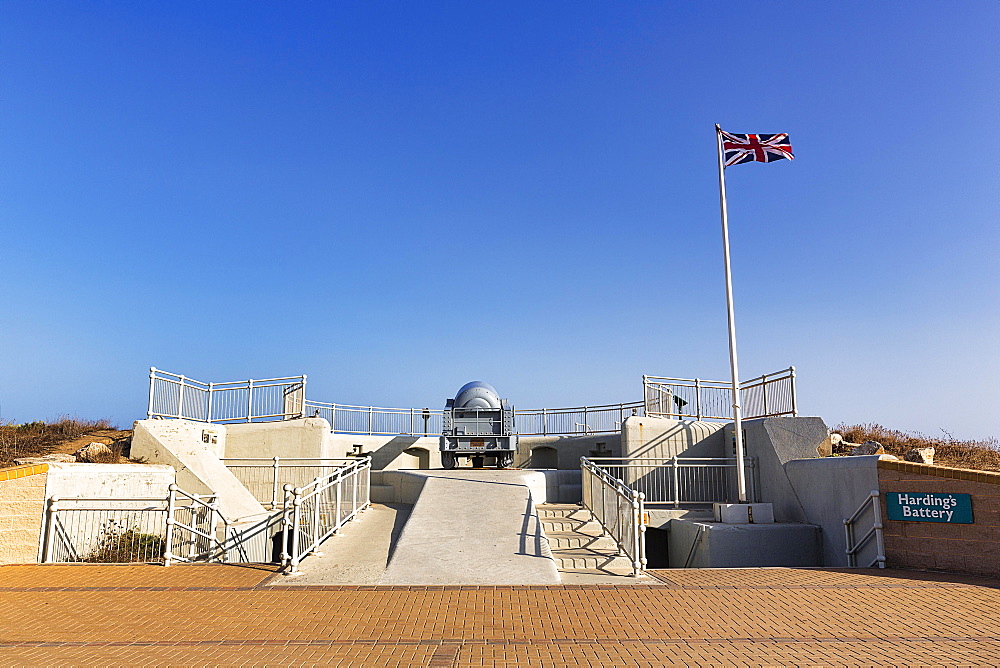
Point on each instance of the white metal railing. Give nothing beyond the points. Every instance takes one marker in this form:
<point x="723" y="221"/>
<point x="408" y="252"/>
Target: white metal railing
<point x="377" y="420"/>
<point x="872" y="527"/>
<point x="619" y="509"/>
<point x="679" y="480"/>
<point x="581" y="419"/>
<point x="316" y="511"/>
<point x="266" y="478"/>
<point x="193" y="527"/>
<point x="769" y="395"/>
<point x="104" y="530"/>
<point x="176" y="396"/>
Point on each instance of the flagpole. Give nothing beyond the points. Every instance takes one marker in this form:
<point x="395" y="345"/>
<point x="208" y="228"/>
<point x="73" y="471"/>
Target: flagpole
<point x="741" y="480"/>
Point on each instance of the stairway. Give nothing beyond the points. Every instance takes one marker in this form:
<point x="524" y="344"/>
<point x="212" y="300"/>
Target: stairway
<point x="578" y="542"/>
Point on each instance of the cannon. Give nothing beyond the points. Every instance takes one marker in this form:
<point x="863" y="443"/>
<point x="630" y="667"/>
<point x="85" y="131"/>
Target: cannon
<point x="478" y="424"/>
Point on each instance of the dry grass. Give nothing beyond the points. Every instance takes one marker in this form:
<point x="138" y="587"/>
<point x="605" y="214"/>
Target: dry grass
<point x="33" y="439"/>
<point x="981" y="455"/>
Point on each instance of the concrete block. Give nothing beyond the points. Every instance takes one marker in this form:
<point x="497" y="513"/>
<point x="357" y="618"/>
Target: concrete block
<point x="743" y="513"/>
<point x="694" y="544"/>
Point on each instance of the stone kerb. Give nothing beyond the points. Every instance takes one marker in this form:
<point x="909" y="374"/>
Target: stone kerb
<point x="22" y="506"/>
<point x="965" y="548"/>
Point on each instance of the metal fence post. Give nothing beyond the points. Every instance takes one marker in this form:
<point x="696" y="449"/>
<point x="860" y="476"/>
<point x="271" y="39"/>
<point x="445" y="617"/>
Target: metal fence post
<point x="285" y="526"/>
<point x="168" y="541"/>
<point x="340" y="484"/>
<point x="50" y="534"/>
<point x="152" y="381"/>
<point x="544" y="424"/>
<point x="636" y="534"/>
<point x="697" y="397"/>
<point x="763" y="389"/>
<point x="249" y="399"/>
<point x="296" y="502"/>
<point x="317" y="532"/>
<point x="677" y="481"/>
<point x="180" y="399"/>
<point x="274" y="483"/>
<point x="208" y="417"/>
<point x="795" y="405"/>
<point x="370" y="411"/>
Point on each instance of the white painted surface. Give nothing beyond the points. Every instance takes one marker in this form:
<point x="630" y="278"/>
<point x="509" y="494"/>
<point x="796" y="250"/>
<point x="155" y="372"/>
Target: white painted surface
<point x="108" y="481"/>
<point x="179" y="443"/>
<point x="474" y="527"/>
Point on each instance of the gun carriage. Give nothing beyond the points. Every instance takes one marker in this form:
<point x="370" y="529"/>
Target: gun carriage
<point x="478" y="424"/>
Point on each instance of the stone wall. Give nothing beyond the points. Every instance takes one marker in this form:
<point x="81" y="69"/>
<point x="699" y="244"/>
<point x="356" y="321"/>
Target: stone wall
<point x="965" y="548"/>
<point x="22" y="509"/>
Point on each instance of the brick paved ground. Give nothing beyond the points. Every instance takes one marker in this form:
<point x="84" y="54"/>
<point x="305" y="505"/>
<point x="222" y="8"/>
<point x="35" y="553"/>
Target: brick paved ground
<point x="211" y="614"/>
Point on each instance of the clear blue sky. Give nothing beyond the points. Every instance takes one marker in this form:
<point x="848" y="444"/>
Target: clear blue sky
<point x="397" y="197"/>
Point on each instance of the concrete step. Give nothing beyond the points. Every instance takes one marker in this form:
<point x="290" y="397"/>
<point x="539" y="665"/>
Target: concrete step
<point x="586" y="558"/>
<point x="560" y="524"/>
<point x="382" y="493"/>
<point x="563" y="510"/>
<point x="571" y="540"/>
<point x="612" y="571"/>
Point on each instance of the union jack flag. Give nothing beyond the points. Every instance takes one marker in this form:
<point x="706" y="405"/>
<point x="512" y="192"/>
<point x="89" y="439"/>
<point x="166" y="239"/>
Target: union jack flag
<point x="755" y="148"/>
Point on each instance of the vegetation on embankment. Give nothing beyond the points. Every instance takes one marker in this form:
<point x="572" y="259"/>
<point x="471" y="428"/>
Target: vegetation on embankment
<point x="982" y="455"/>
<point x="63" y="435"/>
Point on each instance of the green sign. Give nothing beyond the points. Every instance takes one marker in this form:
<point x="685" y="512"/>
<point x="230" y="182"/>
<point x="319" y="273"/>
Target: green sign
<point x="928" y="507"/>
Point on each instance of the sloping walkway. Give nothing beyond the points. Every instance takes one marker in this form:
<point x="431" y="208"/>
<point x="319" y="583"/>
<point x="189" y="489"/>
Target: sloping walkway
<point x="216" y="614"/>
<point x="473" y="527"/>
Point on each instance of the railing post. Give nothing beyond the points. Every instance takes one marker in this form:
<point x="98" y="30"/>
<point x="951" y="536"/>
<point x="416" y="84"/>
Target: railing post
<point x="195" y="511"/>
<point x="370" y="411"/>
<point x="411" y="423"/>
<point x="208" y="416"/>
<point x="213" y="531"/>
<point x="274" y="482"/>
<point x="296" y="502"/>
<point x="168" y="542"/>
<point x="795" y="405"/>
<point x="249" y="400"/>
<point x="302" y="406"/>
<point x="697" y="397"/>
<point x="544" y="424"/>
<point x="317" y="498"/>
<point x="763" y="389"/>
<point x="180" y="400"/>
<point x="152" y="387"/>
<point x="354" y="490"/>
<point x="50" y="533"/>
<point x="879" y="539"/>
<point x="286" y="526"/>
<point x="637" y="527"/>
<point x="340" y="480"/>
<point x="677" y="481"/>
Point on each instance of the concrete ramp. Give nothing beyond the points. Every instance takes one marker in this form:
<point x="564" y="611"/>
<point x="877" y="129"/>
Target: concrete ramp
<point x="475" y="527"/>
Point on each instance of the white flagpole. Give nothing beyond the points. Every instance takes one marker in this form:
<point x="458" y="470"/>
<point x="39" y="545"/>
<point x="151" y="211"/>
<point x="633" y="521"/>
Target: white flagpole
<point x="741" y="478"/>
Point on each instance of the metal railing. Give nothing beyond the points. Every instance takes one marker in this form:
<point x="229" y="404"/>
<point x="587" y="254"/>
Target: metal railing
<point x="179" y="527"/>
<point x="679" y="480"/>
<point x="578" y="420"/>
<point x="104" y="530"/>
<point x="316" y="511"/>
<point x="266" y="478"/>
<point x="872" y="527"/>
<point x="769" y="395"/>
<point x="619" y="510"/>
<point x="176" y="396"/>
<point x="377" y="420"/>
<point x="193" y="527"/>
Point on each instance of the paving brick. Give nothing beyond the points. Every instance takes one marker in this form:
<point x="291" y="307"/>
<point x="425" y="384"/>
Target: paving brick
<point x="212" y="614"/>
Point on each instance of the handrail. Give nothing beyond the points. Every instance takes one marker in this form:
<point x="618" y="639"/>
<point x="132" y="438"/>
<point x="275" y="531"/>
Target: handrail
<point x="854" y="544"/>
<point x="308" y="510"/>
<point x="620" y="512"/>
<point x="677" y="480"/>
<point x="215" y="548"/>
<point x="767" y="395"/>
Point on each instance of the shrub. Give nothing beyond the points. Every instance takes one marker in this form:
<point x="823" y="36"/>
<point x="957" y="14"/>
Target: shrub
<point x="119" y="545"/>
<point x="983" y="455"/>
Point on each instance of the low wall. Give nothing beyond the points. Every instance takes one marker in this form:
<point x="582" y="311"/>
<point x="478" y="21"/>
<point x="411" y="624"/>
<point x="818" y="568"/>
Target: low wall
<point x="965" y="548"/>
<point x="828" y="490"/>
<point x="22" y="511"/>
<point x="666" y="437"/>
<point x="306" y="437"/>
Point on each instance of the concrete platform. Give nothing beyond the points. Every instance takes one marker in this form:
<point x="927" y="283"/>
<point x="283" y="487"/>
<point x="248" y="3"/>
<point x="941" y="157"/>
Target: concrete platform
<point x="699" y="544"/>
<point x="474" y="527"/>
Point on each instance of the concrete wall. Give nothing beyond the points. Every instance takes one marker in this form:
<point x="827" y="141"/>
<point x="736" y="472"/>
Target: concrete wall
<point x="665" y="437"/>
<point x="108" y="480"/>
<point x="306" y="437"/>
<point x="773" y="442"/>
<point x="22" y="510"/>
<point x="828" y="490"/>
<point x="180" y="444"/>
<point x="695" y="544"/>
<point x="965" y="548"/>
